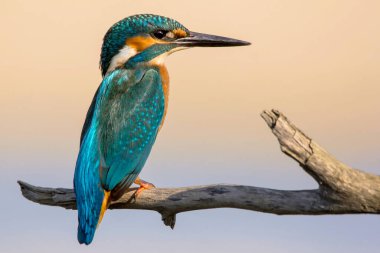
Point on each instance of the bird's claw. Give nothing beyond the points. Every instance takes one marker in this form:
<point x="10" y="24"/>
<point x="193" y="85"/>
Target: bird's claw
<point x="144" y="185"/>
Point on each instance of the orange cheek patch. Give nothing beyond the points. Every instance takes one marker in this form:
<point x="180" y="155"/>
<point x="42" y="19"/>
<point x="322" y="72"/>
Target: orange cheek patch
<point x="179" y="33"/>
<point x="140" y="43"/>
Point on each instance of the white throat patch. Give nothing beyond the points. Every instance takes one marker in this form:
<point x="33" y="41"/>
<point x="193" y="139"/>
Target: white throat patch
<point x="121" y="58"/>
<point x="159" y="60"/>
<point x="127" y="52"/>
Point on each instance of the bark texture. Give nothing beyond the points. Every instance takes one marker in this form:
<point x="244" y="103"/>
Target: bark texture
<point x="342" y="189"/>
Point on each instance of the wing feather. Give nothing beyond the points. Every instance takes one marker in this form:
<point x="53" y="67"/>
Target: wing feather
<point x="117" y="136"/>
<point x="128" y="128"/>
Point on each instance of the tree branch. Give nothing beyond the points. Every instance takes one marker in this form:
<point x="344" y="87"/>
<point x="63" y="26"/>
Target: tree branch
<point x="342" y="189"/>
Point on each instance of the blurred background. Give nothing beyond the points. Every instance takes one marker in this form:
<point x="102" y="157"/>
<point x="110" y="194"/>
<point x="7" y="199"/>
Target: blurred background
<point x="316" y="61"/>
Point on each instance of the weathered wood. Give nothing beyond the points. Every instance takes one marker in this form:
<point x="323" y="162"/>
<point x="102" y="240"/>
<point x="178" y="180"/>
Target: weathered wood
<point x="337" y="181"/>
<point x="342" y="190"/>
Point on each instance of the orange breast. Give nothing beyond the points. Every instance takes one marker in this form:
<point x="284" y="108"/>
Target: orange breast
<point x="165" y="86"/>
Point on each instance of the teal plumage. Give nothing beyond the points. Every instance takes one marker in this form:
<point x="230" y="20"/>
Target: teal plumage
<point x="127" y="110"/>
<point x="129" y="124"/>
<point x="129" y="27"/>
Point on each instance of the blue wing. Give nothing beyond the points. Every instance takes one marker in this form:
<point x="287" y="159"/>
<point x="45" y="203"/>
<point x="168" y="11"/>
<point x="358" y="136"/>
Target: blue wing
<point x="125" y="117"/>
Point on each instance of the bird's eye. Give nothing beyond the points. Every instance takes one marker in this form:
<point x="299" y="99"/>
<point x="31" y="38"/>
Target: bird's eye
<point x="160" y="34"/>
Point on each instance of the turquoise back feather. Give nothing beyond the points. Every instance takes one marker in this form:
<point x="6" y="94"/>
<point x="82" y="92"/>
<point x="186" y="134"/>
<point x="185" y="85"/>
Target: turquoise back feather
<point x="126" y="114"/>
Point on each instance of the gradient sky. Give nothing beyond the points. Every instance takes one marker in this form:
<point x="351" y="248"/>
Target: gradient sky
<point x="316" y="61"/>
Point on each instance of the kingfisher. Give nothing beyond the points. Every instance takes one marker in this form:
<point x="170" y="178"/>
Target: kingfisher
<point x="128" y="110"/>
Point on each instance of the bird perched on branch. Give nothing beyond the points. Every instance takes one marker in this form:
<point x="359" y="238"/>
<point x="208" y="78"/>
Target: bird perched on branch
<point x="128" y="110"/>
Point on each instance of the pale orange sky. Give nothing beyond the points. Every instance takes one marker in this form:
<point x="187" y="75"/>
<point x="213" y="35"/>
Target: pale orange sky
<point x="316" y="61"/>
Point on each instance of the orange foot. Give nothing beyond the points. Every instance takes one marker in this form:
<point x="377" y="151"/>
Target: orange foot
<point x="143" y="186"/>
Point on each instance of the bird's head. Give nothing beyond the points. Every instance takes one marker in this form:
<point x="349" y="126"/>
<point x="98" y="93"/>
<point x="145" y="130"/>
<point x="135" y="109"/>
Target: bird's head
<point x="150" y="38"/>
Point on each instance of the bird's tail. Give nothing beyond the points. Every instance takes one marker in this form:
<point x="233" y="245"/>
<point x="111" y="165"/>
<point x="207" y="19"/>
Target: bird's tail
<point x="91" y="199"/>
<point x="84" y="237"/>
<point x="87" y="227"/>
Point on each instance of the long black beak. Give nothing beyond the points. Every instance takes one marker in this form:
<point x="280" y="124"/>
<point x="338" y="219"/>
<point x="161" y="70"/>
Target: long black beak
<point x="207" y="40"/>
